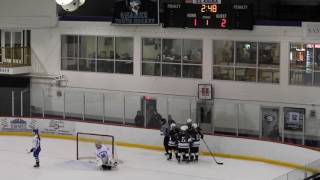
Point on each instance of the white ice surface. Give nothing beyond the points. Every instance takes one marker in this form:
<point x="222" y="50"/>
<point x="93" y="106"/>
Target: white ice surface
<point x="57" y="160"/>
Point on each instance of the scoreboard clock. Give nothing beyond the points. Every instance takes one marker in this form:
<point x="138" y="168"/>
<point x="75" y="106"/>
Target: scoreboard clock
<point x="217" y="16"/>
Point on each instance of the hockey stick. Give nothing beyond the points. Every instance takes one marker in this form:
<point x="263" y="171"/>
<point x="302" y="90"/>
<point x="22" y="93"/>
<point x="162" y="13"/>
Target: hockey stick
<point x="220" y="163"/>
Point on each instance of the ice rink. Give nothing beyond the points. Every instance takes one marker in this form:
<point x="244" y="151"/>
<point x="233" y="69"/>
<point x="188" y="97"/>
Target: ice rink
<point x="57" y="160"/>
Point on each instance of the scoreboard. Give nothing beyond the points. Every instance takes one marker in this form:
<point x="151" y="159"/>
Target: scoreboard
<point x="216" y="16"/>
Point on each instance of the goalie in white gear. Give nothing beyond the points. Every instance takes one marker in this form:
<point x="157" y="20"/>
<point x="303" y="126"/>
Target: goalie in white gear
<point x="104" y="157"/>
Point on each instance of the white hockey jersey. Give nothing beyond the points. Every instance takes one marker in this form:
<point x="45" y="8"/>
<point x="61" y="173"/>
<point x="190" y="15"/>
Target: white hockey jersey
<point x="36" y="142"/>
<point x="104" y="152"/>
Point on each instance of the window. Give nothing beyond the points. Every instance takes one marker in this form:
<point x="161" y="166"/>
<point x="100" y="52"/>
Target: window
<point x="304" y="64"/>
<point x="105" y="59"/>
<point x="172" y="57"/>
<point x="246" y="61"/>
<point x="69" y="52"/>
<point x="124" y="55"/>
<point x="192" y="59"/>
<point x="269" y="62"/>
<point x="87" y="53"/>
<point x="151" y="56"/>
<point x="97" y="54"/>
<point x="223" y="60"/>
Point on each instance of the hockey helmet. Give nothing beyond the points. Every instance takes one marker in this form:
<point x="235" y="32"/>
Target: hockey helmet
<point x="183" y="128"/>
<point x="35" y="131"/>
<point x="195" y="125"/>
<point x="98" y="144"/>
<point x="172" y="126"/>
<point x="189" y="121"/>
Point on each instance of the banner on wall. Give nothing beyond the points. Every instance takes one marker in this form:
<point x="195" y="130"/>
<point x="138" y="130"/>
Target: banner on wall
<point x="294" y="118"/>
<point x="57" y="127"/>
<point x="136" y="12"/>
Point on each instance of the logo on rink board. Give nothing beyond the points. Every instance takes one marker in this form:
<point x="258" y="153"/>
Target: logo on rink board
<point x="44" y="125"/>
<point x="56" y="124"/>
<point x="14" y="125"/>
<point x="58" y="127"/>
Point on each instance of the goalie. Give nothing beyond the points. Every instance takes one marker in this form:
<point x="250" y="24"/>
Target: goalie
<point x="104" y="157"/>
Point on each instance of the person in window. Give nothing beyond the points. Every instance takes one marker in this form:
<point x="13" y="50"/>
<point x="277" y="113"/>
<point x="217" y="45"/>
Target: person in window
<point x="167" y="55"/>
<point x="139" y="119"/>
<point x="197" y="56"/>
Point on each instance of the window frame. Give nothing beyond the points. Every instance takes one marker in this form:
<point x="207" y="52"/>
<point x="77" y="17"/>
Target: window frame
<point x="161" y="62"/>
<point x="235" y="66"/>
<point x="96" y="58"/>
<point x="313" y="70"/>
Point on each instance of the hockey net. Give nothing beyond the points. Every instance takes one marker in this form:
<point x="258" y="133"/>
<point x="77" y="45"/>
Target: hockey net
<point x="86" y="149"/>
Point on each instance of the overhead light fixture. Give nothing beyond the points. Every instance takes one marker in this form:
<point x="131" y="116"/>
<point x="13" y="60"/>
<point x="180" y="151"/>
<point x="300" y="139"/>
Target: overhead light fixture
<point x="82" y="2"/>
<point x="73" y="5"/>
<point x="63" y="2"/>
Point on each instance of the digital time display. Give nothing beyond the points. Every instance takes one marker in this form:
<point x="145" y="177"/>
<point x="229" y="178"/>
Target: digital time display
<point x="216" y="16"/>
<point x="210" y="8"/>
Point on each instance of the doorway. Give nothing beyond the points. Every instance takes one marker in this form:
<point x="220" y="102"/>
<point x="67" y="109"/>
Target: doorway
<point x="204" y="115"/>
<point x="270" y="123"/>
<point x="149" y="111"/>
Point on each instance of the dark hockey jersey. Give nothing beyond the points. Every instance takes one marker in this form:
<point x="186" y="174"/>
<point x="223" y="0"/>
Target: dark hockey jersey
<point x="173" y="137"/>
<point x="196" y="136"/>
<point x="184" y="141"/>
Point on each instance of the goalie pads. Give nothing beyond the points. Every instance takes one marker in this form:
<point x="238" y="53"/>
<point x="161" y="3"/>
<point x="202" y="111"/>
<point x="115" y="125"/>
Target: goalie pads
<point x="106" y="163"/>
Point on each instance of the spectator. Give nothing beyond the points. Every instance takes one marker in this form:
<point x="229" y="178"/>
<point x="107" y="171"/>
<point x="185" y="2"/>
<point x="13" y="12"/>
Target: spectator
<point x="139" y="119"/>
<point x="155" y="120"/>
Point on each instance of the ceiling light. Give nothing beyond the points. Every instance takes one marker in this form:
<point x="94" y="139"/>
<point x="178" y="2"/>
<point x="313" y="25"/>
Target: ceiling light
<point x="82" y="2"/>
<point x="63" y="2"/>
<point x="74" y="5"/>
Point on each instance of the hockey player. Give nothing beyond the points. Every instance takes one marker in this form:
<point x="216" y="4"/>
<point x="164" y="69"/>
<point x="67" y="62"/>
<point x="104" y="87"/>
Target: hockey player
<point x="195" y="135"/>
<point x="104" y="157"/>
<point x="183" y="145"/>
<point x="173" y="141"/>
<point x="165" y="132"/>
<point x="36" y="148"/>
<point x="189" y="125"/>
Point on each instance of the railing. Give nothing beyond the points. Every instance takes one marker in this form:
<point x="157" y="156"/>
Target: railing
<point x="15" y="56"/>
<point x="253" y="119"/>
<point x="241" y="118"/>
<point x="302" y="173"/>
